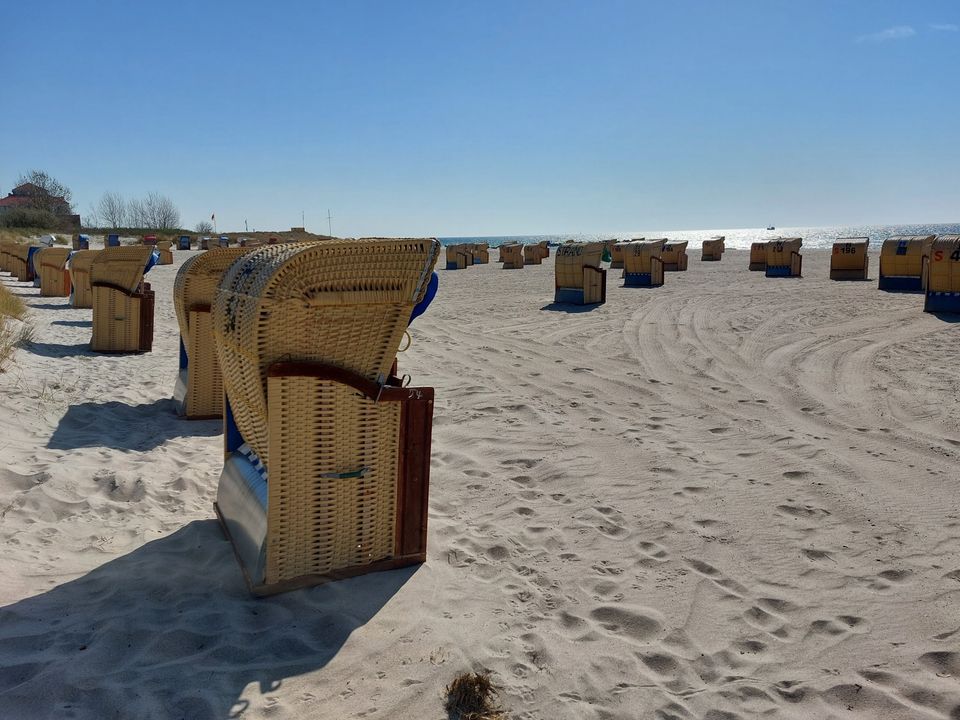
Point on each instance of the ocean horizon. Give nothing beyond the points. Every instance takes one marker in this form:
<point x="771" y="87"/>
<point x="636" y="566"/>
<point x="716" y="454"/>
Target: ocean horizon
<point x="736" y="238"/>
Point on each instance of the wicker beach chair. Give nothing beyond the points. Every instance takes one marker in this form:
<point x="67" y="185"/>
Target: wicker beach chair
<point x="327" y="458"/>
<point x="904" y="263"/>
<point x="51" y="266"/>
<point x="532" y="255"/>
<point x="758" y="256"/>
<point x="183" y="242"/>
<point x="81" y="242"/>
<point x="6" y="255"/>
<point x="616" y="252"/>
<point x="674" y="256"/>
<point x="21" y="265"/>
<point x="712" y="250"/>
<point x="198" y="393"/>
<point x="165" y="249"/>
<point x="642" y="263"/>
<point x="122" y="301"/>
<point x="511" y="256"/>
<point x="783" y="257"/>
<point x="943" y="280"/>
<point x="459" y="257"/>
<point x="113" y="240"/>
<point x="81" y="292"/>
<point x="481" y="253"/>
<point x="850" y="259"/>
<point x="580" y="279"/>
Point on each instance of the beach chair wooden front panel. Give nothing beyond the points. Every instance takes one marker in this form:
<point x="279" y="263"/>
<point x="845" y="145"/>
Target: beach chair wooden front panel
<point x="333" y="478"/>
<point x="204" y="398"/>
<point x="594" y="285"/>
<point x="116" y="321"/>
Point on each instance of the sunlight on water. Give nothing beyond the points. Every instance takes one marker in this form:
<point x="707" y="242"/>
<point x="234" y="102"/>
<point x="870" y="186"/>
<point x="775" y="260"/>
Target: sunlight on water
<point x="813" y="237"/>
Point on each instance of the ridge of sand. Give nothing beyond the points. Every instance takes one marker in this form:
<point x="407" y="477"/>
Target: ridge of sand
<point x="731" y="497"/>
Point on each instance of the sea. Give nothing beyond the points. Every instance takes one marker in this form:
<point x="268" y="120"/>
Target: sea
<point x="813" y="237"/>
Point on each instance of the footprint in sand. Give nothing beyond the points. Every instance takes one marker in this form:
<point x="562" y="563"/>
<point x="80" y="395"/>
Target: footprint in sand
<point x="638" y="625"/>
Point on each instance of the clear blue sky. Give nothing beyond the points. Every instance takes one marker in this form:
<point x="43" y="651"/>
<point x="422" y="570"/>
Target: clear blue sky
<point x="486" y="118"/>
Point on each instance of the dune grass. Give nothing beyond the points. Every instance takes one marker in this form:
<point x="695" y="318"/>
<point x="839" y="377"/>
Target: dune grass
<point x="12" y="335"/>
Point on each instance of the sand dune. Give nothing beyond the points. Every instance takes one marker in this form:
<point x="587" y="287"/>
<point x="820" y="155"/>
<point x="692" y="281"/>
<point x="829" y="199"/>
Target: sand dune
<point x="731" y="497"/>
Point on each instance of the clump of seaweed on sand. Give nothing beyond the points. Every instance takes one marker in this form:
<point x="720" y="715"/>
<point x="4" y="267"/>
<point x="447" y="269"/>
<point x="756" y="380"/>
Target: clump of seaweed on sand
<point x="472" y="696"/>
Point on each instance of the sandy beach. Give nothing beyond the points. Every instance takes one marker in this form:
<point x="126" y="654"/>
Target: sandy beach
<point x="728" y="498"/>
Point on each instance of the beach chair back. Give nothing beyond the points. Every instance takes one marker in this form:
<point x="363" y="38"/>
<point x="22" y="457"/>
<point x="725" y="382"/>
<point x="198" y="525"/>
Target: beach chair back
<point x="674" y="256"/>
<point x="511" y="255"/>
<point x="183" y="242"/>
<point x="758" y="255"/>
<point x="81" y="292"/>
<point x="782" y="258"/>
<point x="579" y="277"/>
<point x="616" y="252"/>
<point x="113" y="240"/>
<point x="849" y="259"/>
<point x="904" y="261"/>
<point x="712" y="250"/>
<point x="643" y="263"/>
<point x="51" y="265"/>
<point x="943" y="281"/>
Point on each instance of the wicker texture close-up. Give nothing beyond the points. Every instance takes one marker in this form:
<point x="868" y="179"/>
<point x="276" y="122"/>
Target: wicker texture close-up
<point x="345" y="303"/>
<point x="317" y="429"/>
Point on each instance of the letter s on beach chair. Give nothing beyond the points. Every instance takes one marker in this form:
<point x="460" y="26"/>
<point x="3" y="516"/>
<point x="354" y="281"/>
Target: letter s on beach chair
<point x="122" y="302"/>
<point x="580" y="280"/>
<point x="327" y="457"/>
<point x="198" y="393"/>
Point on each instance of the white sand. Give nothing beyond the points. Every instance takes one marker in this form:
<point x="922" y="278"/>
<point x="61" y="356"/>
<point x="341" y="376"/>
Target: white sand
<point x="730" y="497"/>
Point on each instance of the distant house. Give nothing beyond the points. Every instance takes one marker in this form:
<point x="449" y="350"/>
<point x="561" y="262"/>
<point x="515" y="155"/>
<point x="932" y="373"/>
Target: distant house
<point x="29" y="196"/>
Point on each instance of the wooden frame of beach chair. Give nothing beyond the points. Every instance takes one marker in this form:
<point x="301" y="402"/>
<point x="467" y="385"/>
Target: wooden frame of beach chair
<point x="942" y="292"/>
<point x="783" y="258"/>
<point x="674" y="256"/>
<point x="51" y="265"/>
<point x="81" y="292"/>
<point x="123" y="303"/>
<point x="904" y="263"/>
<point x="511" y="256"/>
<point x="198" y="393"/>
<point x="579" y="277"/>
<point x="712" y="249"/>
<point x="327" y="458"/>
<point x="850" y="259"/>
<point x="758" y="255"/>
<point x="642" y="263"/>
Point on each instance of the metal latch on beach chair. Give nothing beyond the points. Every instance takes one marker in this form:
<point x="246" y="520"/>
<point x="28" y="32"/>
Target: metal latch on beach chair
<point x="362" y="472"/>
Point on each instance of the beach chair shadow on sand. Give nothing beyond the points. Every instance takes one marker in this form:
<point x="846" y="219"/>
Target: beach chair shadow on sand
<point x="177" y="633"/>
<point x="125" y="427"/>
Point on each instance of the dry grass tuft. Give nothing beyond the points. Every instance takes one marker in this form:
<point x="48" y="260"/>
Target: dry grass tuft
<point x="12" y="334"/>
<point x="472" y="696"/>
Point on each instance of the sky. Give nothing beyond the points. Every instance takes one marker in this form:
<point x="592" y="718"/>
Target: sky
<point x="490" y="117"/>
